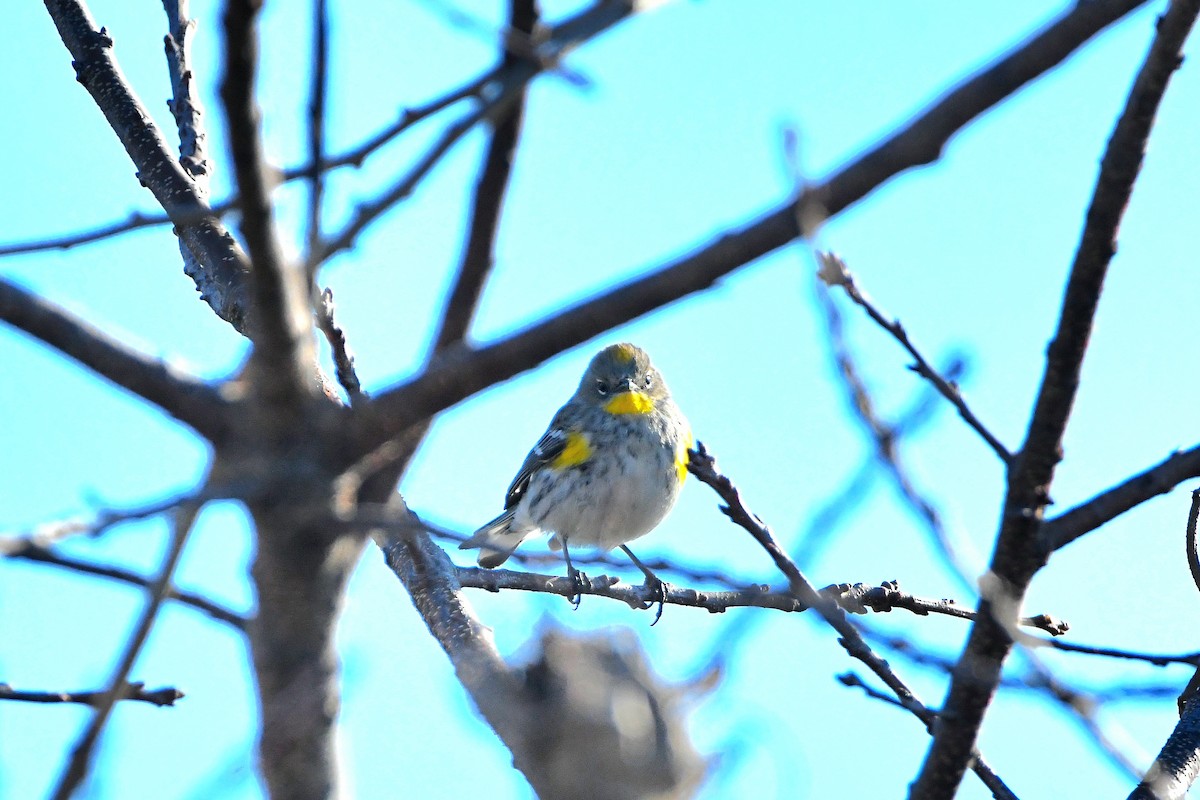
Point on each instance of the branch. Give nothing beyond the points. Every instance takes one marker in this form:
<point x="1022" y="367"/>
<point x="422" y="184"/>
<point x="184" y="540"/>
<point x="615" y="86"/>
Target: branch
<point x="343" y="358"/>
<point x="81" y="755"/>
<point x="31" y="551"/>
<point x="1110" y="504"/>
<point x="883" y="437"/>
<point x="505" y="88"/>
<point x="1178" y="763"/>
<point x="462" y="372"/>
<point x="704" y="467"/>
<point x="185" y="102"/>
<point x="1018" y="556"/>
<point x="221" y="282"/>
<point x="283" y="346"/>
<point x="833" y="272"/>
<point x="187" y="399"/>
<point x="316" y="120"/>
<point x="165" y="696"/>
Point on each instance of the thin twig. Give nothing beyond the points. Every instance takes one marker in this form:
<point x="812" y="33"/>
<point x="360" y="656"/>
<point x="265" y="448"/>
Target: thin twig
<point x="343" y="358"/>
<point x="704" y="467"/>
<point x="29" y="551"/>
<point x="883" y="437"/>
<point x="316" y="120"/>
<point x="81" y="755"/>
<point x="135" y="691"/>
<point x="833" y="272"/>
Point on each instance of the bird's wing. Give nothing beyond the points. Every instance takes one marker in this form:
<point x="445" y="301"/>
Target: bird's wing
<point x="548" y="448"/>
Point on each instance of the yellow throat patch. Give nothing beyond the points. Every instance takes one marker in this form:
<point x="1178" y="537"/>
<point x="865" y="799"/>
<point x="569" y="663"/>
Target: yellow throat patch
<point x="630" y="403"/>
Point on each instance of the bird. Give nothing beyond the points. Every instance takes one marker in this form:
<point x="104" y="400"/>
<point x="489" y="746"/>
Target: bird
<point x="608" y="469"/>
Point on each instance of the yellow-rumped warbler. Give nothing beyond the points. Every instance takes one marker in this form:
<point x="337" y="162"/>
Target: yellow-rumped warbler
<point x="607" y="470"/>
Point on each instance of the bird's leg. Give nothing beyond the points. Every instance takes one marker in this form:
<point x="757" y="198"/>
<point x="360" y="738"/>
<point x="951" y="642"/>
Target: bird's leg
<point x="657" y="586"/>
<point x="579" y="581"/>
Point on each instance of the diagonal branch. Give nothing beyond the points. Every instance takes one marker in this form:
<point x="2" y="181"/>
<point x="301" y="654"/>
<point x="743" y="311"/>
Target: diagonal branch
<point x="32" y="551"/>
<point x="704" y="467"/>
<point x="463" y="371"/>
<point x="191" y="401"/>
<point x="833" y="272"/>
<point x="1111" y="503"/>
<point x="221" y="281"/>
<point x="1018" y="553"/>
<point x="81" y="756"/>
<point x="504" y="90"/>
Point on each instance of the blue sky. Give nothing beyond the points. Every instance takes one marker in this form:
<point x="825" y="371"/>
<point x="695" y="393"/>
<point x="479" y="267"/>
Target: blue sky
<point x="677" y="139"/>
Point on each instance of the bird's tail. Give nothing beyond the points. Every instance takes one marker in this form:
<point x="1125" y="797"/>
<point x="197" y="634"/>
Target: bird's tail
<point x="496" y="540"/>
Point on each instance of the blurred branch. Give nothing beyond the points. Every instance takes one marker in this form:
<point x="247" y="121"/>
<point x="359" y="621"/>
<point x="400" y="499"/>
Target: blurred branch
<point x="187" y="399"/>
<point x="282" y="345"/>
<point x="316" y="120"/>
<point x="81" y="756"/>
<point x="28" y="550"/>
<point x="165" y="696"/>
<point x="833" y="272"/>
<point x="1193" y="555"/>
<point x="1068" y="526"/>
<point x="1178" y="763"/>
<point x="343" y="359"/>
<point x="222" y="262"/>
<point x="883" y="437"/>
<point x="503" y="93"/>
<point x="1018" y="553"/>
<point x="704" y="467"/>
<point x="462" y="371"/>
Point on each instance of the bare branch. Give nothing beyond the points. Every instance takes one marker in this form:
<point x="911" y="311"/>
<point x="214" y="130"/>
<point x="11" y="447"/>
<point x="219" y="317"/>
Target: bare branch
<point x="343" y="359"/>
<point x="283" y="345"/>
<point x="185" y="105"/>
<point x="506" y="86"/>
<point x="463" y="371"/>
<point x="29" y="550"/>
<point x="81" y="756"/>
<point x="221" y="283"/>
<point x="1018" y="556"/>
<point x="187" y="399"/>
<point x="1111" y="503"/>
<point x="887" y="452"/>
<point x="165" y="696"/>
<point x="833" y="272"/>
<point x="1178" y="763"/>
<point x="704" y="467"/>
<point x="316" y="120"/>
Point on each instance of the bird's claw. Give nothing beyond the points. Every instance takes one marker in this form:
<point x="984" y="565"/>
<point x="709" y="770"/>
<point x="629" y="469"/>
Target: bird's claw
<point x="580" y="583"/>
<point x="658" y="594"/>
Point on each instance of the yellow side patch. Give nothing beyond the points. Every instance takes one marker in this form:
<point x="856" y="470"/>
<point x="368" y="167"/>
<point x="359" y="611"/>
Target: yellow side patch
<point x="682" y="458"/>
<point x="630" y="403"/>
<point x="625" y="353"/>
<point x="577" y="451"/>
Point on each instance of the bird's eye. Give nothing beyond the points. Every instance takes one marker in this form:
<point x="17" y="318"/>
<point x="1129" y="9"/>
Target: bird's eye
<point x="602" y="387"/>
<point x="649" y="381"/>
